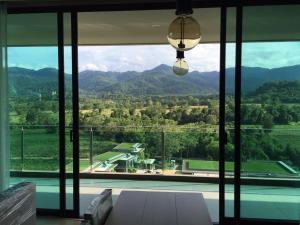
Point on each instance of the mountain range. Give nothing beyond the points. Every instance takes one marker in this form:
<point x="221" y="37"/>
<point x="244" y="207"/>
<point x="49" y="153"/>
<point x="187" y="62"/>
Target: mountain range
<point x="158" y="81"/>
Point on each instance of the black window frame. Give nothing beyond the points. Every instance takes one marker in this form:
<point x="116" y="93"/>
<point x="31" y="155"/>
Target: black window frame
<point x="97" y="7"/>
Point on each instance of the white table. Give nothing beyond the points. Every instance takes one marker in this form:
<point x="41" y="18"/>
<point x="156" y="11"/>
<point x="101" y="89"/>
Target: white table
<point x="159" y="208"/>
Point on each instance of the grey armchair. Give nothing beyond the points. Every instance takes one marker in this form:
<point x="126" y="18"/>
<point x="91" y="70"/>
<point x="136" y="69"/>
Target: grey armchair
<point x="17" y="205"/>
<point x="99" y="209"/>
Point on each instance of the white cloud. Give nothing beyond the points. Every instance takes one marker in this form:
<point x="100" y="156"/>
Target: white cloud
<point x="270" y="55"/>
<point x="143" y="57"/>
<point x="204" y="57"/>
<point x="91" y="66"/>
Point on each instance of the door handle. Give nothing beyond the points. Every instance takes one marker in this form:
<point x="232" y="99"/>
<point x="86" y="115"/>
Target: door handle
<point x="226" y="138"/>
<point x="71" y="135"/>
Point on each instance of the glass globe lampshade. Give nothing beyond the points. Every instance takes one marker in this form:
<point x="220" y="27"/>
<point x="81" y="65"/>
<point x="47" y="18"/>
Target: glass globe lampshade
<point x="180" y="67"/>
<point x="184" y="33"/>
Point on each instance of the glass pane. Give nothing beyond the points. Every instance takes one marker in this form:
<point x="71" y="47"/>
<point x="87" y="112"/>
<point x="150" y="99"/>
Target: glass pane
<point x="136" y="116"/>
<point x="33" y="93"/>
<point x="270" y="151"/>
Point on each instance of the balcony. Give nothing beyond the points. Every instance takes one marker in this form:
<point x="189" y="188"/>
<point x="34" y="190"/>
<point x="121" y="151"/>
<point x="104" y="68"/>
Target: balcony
<point x="129" y="157"/>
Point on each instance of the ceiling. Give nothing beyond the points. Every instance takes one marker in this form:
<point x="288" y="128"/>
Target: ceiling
<point x="37" y="3"/>
<point x="265" y="23"/>
<point x="140" y="27"/>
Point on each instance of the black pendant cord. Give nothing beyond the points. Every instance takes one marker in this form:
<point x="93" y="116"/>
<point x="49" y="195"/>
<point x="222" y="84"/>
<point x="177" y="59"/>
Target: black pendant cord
<point x="181" y="44"/>
<point x="184" y="7"/>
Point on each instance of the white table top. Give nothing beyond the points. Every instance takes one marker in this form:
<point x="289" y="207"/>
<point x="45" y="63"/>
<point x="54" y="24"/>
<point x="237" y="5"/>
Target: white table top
<point x="159" y="208"/>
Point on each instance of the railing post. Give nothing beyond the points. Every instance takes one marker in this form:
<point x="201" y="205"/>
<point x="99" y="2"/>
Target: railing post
<point x="163" y="149"/>
<point x="22" y="148"/>
<point x="91" y="148"/>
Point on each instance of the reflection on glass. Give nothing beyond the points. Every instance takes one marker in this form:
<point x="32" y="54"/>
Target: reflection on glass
<point x="269" y="117"/>
<point x="33" y="105"/>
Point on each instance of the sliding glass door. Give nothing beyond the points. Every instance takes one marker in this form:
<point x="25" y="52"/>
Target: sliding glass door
<point x="262" y="153"/>
<point x="34" y="103"/>
<point x="270" y="132"/>
<point x="40" y="106"/>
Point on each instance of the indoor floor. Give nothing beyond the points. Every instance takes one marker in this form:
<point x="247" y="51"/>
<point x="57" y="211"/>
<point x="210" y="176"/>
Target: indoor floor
<point x="282" y="202"/>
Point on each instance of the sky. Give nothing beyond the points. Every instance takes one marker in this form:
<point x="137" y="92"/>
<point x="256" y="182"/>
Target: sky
<point x="204" y="57"/>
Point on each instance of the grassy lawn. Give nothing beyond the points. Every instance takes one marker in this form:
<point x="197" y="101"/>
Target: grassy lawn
<point x="250" y="166"/>
<point x="37" y="142"/>
<point x="42" y="164"/>
<point x="83" y="165"/>
<point x="263" y="167"/>
<point x="287" y="135"/>
<point x="107" y="155"/>
<point x="202" y="165"/>
<point x="41" y="149"/>
<point x="284" y="134"/>
<point x="36" y="164"/>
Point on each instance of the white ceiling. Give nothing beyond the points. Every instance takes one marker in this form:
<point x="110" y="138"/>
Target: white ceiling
<point x="140" y="27"/>
<point x="38" y="3"/>
<point x="267" y="23"/>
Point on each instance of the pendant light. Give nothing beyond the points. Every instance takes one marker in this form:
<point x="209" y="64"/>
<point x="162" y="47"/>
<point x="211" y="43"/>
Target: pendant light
<point x="183" y="34"/>
<point x="180" y="67"/>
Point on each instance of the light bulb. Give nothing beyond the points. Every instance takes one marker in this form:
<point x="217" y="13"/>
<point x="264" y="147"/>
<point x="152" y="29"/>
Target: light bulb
<point x="184" y="33"/>
<point x="180" y="67"/>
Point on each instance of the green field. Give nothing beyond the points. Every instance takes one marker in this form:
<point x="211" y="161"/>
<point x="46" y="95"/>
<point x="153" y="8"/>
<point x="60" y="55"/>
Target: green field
<point x="83" y="165"/>
<point x="284" y="134"/>
<point x="36" y="164"/>
<point x="287" y="134"/>
<point x="270" y="167"/>
<point x="41" y="150"/>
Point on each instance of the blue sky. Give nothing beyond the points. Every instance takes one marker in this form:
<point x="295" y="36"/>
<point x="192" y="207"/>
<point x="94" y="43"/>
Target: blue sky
<point x="204" y="57"/>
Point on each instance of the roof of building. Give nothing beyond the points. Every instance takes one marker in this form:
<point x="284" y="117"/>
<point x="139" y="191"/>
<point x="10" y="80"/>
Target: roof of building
<point x="149" y="161"/>
<point x="104" y="167"/>
<point x="126" y="146"/>
<point x="127" y="157"/>
<point x="109" y="156"/>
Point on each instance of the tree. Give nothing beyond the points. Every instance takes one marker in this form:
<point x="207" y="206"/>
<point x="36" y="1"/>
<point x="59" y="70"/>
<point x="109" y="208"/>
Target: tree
<point x="172" y="143"/>
<point x="152" y="143"/>
<point x="31" y="117"/>
<point x="267" y="122"/>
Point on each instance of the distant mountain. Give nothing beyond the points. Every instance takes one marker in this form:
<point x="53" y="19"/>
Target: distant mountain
<point x="283" y="91"/>
<point x="26" y="82"/>
<point x="162" y="81"/>
<point x="254" y="77"/>
<point x="93" y="82"/>
<point x="158" y="81"/>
